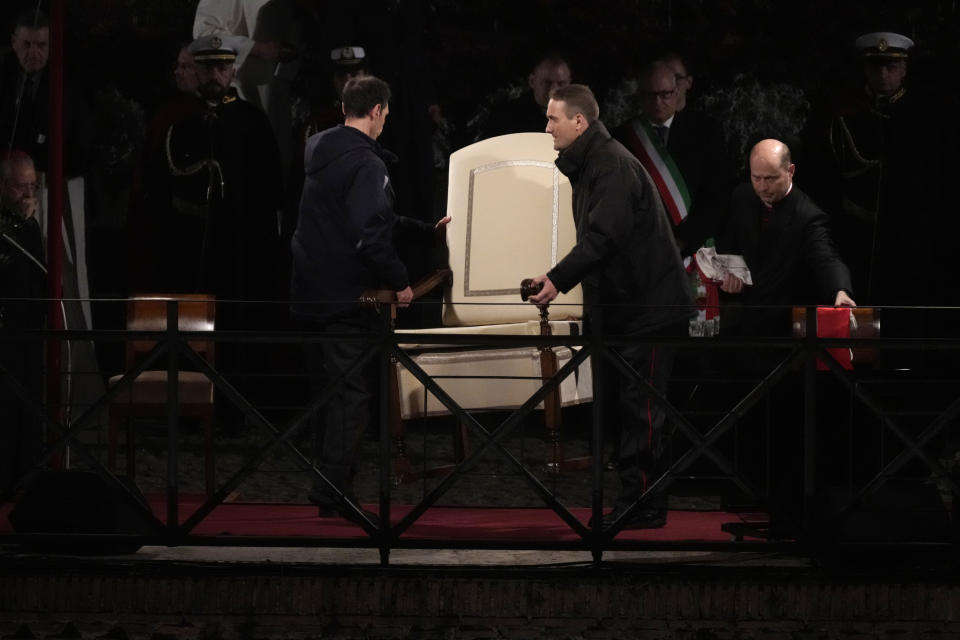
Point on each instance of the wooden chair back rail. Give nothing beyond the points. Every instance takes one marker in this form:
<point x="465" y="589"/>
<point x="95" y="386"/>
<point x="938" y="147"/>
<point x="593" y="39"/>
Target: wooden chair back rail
<point x="148" y="312"/>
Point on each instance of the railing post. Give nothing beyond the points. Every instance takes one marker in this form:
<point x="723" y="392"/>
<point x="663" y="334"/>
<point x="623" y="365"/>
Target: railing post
<point x="54" y="223"/>
<point x="595" y="323"/>
<point x="809" y="420"/>
<point x="386" y="475"/>
<point x="173" y="411"/>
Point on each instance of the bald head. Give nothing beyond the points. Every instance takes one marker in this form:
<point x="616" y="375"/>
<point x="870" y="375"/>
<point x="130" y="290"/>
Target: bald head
<point x="771" y="171"/>
<point x="771" y="150"/>
<point x="13" y="160"/>
<point x="18" y="183"/>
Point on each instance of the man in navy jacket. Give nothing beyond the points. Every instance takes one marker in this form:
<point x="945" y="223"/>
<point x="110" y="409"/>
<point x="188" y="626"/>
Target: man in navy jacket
<point x="343" y="244"/>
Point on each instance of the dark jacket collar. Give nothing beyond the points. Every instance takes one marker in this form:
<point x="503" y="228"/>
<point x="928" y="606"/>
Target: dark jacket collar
<point x="783" y="209"/>
<point x="572" y="159"/>
<point x="787" y="201"/>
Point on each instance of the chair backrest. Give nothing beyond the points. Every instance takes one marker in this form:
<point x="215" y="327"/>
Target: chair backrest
<point x="148" y="312"/>
<point x="511" y="219"/>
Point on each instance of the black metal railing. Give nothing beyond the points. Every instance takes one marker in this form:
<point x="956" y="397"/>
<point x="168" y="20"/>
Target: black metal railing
<point x="910" y="435"/>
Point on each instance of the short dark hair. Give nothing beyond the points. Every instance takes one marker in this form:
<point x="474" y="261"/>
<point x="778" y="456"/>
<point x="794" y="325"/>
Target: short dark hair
<point x="553" y="58"/>
<point x="363" y="93"/>
<point x="579" y="99"/>
<point x="31" y="19"/>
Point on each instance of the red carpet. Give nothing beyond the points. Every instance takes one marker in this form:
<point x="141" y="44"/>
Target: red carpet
<point x="437" y="524"/>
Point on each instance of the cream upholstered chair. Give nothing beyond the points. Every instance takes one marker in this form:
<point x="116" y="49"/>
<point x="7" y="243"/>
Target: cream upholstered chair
<point x="511" y="219"/>
<point x="147" y="394"/>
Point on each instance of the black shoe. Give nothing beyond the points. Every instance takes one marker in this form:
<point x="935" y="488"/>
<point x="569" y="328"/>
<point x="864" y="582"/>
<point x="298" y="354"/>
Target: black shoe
<point x="648" y="519"/>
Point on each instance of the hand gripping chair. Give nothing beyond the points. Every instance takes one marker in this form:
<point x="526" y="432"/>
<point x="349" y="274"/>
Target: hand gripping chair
<point x="511" y="218"/>
<point x="147" y="394"/>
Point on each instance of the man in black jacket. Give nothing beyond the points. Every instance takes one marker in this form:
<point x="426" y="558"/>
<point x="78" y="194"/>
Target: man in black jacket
<point x="785" y="240"/>
<point x="684" y="153"/>
<point x="633" y="282"/>
<point x="25" y="98"/>
<point x="343" y="244"/>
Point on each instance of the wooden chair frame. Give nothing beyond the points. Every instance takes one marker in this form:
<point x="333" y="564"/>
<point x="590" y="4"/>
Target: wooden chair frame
<point x="148" y="312"/>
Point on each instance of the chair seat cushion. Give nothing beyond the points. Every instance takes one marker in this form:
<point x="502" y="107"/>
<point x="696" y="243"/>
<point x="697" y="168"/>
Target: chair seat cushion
<point x="492" y="379"/>
<point x="150" y="387"/>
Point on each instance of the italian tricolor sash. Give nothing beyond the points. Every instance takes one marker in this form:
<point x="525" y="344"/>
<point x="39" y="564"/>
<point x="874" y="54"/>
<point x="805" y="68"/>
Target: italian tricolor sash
<point x="645" y="145"/>
<point x="662" y="169"/>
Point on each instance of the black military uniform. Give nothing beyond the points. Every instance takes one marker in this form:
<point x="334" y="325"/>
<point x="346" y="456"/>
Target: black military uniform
<point x="215" y="210"/>
<point x="889" y="156"/>
<point x="219" y="223"/>
<point x="886" y="223"/>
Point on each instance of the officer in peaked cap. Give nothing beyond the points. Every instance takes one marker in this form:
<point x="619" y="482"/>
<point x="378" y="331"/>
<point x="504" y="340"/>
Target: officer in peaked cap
<point x="326" y="111"/>
<point x="348" y="57"/>
<point x="884" y="55"/>
<point x="213" y="49"/>
<point x="884" y="44"/>
<point x="215" y="57"/>
<point x="887" y="138"/>
<point x="347" y="63"/>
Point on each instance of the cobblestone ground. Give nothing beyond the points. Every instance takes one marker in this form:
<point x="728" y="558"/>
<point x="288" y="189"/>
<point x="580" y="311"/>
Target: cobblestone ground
<point x="494" y="481"/>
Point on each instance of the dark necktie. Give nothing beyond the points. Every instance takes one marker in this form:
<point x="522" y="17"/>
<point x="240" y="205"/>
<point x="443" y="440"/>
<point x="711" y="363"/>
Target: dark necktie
<point x="26" y="95"/>
<point x="662" y="133"/>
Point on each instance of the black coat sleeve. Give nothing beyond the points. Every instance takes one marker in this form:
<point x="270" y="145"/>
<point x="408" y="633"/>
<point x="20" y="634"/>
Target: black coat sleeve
<point x="823" y="260"/>
<point x="371" y="222"/>
<point x="606" y="230"/>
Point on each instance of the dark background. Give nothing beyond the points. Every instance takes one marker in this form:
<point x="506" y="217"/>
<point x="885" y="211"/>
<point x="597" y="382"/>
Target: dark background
<point x="473" y="47"/>
<point x="458" y="53"/>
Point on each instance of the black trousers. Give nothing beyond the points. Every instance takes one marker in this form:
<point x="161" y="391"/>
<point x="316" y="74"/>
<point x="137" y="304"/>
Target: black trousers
<point x="21" y="433"/>
<point x="629" y="409"/>
<point x="339" y="426"/>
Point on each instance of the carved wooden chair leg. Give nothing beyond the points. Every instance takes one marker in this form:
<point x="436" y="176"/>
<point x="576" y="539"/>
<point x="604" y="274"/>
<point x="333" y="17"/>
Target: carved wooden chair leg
<point x="551" y="413"/>
<point x="403" y="470"/>
<point x="553" y="418"/>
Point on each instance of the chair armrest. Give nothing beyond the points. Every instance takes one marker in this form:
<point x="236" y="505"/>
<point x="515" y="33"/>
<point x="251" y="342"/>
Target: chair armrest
<point x="374" y="297"/>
